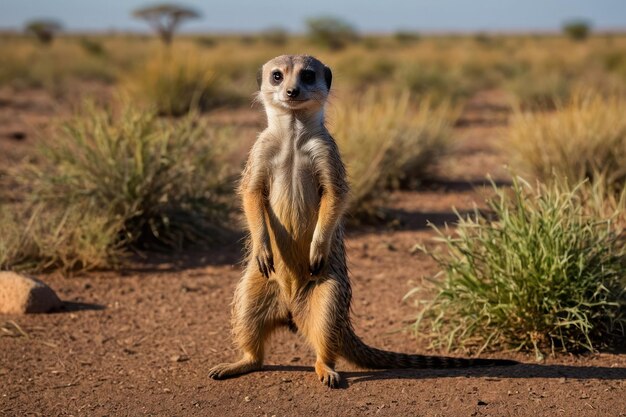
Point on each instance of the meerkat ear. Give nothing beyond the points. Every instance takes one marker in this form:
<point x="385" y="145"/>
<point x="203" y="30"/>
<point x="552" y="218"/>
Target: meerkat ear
<point x="328" y="77"/>
<point x="259" y="77"/>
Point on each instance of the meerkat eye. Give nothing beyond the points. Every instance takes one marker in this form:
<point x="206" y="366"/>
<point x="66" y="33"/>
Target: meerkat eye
<point x="307" y="76"/>
<point x="277" y="77"/>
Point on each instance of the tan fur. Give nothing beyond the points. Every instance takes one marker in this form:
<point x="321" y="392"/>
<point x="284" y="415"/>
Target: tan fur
<point x="294" y="194"/>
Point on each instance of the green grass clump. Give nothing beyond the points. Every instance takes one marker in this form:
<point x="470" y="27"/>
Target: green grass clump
<point x="543" y="273"/>
<point x="583" y="138"/>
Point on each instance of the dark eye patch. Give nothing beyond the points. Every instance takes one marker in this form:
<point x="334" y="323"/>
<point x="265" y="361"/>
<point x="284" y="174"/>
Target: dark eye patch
<point x="307" y="76"/>
<point x="276" y="77"/>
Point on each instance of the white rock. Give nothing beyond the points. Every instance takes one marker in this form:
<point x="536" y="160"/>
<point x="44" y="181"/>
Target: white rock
<point x="20" y="294"/>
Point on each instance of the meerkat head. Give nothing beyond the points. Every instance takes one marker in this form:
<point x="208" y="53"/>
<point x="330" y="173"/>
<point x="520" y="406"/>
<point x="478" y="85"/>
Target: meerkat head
<point x="294" y="82"/>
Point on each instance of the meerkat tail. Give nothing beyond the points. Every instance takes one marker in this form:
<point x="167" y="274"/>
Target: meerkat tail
<point x="364" y="356"/>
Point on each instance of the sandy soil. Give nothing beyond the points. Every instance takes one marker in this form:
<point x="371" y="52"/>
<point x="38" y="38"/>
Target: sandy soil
<point x="140" y="342"/>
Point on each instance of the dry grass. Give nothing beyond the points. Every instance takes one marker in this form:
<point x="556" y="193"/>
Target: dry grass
<point x="583" y="138"/>
<point x="388" y="141"/>
<point x="174" y="84"/>
<point x="109" y="182"/>
<point x="41" y="238"/>
<point x="535" y="69"/>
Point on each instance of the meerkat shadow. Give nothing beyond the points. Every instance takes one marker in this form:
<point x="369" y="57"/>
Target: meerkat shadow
<point x="519" y="371"/>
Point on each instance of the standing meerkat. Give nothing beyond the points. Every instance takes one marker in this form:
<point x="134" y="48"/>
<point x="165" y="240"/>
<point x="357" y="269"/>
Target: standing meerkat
<point x="295" y="193"/>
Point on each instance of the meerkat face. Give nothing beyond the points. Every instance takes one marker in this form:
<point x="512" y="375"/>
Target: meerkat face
<point x="294" y="82"/>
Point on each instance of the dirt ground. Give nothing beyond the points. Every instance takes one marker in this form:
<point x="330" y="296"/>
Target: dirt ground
<point x="140" y="341"/>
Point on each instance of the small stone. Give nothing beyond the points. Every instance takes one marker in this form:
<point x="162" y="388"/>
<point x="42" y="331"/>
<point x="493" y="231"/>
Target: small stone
<point x="20" y="294"/>
<point x="179" y="358"/>
<point x="247" y="399"/>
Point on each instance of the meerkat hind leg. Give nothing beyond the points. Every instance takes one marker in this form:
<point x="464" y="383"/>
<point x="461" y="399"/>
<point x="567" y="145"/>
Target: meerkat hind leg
<point x="256" y="313"/>
<point x="246" y="365"/>
<point x="319" y="330"/>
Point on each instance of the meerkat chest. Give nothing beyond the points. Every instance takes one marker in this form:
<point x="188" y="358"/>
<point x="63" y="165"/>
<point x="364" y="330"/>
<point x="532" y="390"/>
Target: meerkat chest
<point x="294" y="188"/>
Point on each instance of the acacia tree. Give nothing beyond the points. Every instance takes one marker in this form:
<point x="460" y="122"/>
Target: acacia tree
<point x="43" y="29"/>
<point x="165" y="18"/>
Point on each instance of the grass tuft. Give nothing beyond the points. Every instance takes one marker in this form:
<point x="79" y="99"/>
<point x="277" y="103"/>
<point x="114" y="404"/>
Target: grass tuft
<point x="174" y="84"/>
<point x="388" y="141"/>
<point x="109" y="183"/>
<point x="42" y="238"/>
<point x="584" y="138"/>
<point x="542" y="274"/>
<point x="162" y="178"/>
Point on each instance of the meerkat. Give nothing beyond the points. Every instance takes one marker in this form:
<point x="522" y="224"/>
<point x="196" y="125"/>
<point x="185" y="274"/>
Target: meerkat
<point x="295" y="193"/>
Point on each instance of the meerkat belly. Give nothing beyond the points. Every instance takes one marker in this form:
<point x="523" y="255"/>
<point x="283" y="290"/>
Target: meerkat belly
<point x="294" y="202"/>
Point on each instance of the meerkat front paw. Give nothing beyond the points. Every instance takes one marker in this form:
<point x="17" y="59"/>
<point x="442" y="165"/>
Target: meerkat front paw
<point x="317" y="259"/>
<point x="265" y="259"/>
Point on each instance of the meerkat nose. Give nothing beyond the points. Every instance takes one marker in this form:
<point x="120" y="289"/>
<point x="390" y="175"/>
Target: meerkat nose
<point x="293" y="92"/>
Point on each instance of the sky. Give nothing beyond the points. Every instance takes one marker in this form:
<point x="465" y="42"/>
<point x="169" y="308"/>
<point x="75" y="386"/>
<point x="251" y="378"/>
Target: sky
<point x="366" y="16"/>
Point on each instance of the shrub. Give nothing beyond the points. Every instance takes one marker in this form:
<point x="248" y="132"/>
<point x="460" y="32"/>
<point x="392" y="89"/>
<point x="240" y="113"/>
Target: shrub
<point x="92" y="47"/>
<point x="584" y="138"/>
<point x="56" y="69"/>
<point x="541" y="273"/>
<point x="387" y="142"/>
<point x="331" y="32"/>
<point x="423" y="137"/>
<point x="539" y="89"/>
<point x="163" y="181"/>
<point x="275" y="36"/>
<point x="206" y="41"/>
<point x="406" y="37"/>
<point x="44" y="30"/>
<point x="175" y="84"/>
<point x="439" y="82"/>
<point x="577" y="30"/>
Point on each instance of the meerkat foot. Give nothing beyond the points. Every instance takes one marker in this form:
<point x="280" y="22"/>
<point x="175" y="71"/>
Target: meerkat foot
<point x="327" y="375"/>
<point x="227" y="370"/>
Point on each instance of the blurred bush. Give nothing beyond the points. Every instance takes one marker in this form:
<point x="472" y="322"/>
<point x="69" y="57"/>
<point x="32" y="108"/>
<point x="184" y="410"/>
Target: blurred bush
<point x="585" y="137"/>
<point x="44" y="29"/>
<point x="577" y="30"/>
<point x="406" y="37"/>
<point x="275" y="36"/>
<point x="331" y="32"/>
<point x="175" y="83"/>
<point x="92" y="47"/>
